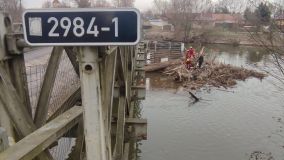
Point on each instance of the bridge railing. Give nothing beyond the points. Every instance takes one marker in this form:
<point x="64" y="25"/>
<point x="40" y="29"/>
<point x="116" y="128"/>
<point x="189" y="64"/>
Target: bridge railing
<point x="41" y="105"/>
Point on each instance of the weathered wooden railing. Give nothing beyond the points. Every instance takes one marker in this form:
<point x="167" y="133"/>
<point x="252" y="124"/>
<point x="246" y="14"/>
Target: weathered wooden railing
<point x="100" y="114"/>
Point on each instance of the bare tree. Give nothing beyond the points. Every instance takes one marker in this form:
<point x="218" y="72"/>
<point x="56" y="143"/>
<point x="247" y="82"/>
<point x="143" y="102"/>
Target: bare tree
<point x="102" y="4"/>
<point x="161" y="6"/>
<point x="272" y="39"/>
<point x="199" y="6"/>
<point x="83" y="3"/>
<point x="55" y="4"/>
<point x="47" y="4"/>
<point x="123" y="3"/>
<point x="181" y="13"/>
<point x="233" y="6"/>
<point x="13" y="7"/>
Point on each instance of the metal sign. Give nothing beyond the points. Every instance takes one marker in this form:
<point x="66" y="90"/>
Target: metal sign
<point x="81" y="27"/>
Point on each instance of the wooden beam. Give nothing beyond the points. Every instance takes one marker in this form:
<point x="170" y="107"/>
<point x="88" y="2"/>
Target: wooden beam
<point x="6" y="122"/>
<point x="9" y="97"/>
<point x="91" y="98"/>
<point x="18" y="75"/>
<point x="108" y="68"/>
<point x="47" y="87"/>
<point x="4" y="143"/>
<point x="5" y="28"/>
<point x="120" y="66"/>
<point x="14" y="107"/>
<point x="73" y="58"/>
<point x="29" y="147"/>
<point x="118" y="149"/>
<point x="126" y="151"/>
<point x="77" y="152"/>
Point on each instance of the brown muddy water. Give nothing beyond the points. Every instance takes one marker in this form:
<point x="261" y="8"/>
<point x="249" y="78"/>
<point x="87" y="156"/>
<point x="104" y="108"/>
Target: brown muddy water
<point x="243" y="123"/>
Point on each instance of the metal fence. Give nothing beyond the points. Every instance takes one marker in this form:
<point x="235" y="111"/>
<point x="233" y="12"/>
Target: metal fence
<point x="66" y="82"/>
<point x="160" y="51"/>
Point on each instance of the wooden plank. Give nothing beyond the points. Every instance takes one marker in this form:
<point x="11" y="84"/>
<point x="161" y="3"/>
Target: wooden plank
<point x="5" y="28"/>
<point x="77" y="152"/>
<point x="6" y="122"/>
<point x="73" y="59"/>
<point x="108" y="69"/>
<point x="118" y="149"/>
<point x="18" y="75"/>
<point x="19" y="115"/>
<point x="35" y="143"/>
<point x="4" y="143"/>
<point x="47" y="87"/>
<point x="126" y="151"/>
<point x="107" y="72"/>
<point x="120" y="66"/>
<point x="9" y="97"/>
<point x="91" y="98"/>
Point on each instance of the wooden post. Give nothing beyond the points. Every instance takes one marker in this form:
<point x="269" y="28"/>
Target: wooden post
<point x="91" y="97"/>
<point x="18" y="75"/>
<point x="108" y="68"/>
<point x="77" y="154"/>
<point x="5" y="122"/>
<point x="73" y="58"/>
<point x="32" y="145"/>
<point x="14" y="107"/>
<point x="4" y="143"/>
<point x="118" y="149"/>
<point x="122" y="72"/>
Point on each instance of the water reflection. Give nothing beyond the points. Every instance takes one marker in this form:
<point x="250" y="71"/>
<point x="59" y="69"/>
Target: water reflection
<point x="160" y="81"/>
<point x="238" y="55"/>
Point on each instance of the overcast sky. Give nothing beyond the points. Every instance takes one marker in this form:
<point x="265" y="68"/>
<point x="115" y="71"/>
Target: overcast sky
<point x="140" y="4"/>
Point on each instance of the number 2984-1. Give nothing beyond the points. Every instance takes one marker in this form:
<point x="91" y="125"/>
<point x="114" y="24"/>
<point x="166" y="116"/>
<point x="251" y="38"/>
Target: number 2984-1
<point x="78" y="26"/>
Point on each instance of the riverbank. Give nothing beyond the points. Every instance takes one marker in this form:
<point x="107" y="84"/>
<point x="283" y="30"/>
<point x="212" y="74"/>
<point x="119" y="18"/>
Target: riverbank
<point x="217" y="36"/>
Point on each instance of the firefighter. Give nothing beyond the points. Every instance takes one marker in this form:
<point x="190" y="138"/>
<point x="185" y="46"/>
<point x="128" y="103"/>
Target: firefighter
<point x="190" y="54"/>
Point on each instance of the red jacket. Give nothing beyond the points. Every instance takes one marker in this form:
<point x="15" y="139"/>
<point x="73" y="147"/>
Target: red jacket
<point x="190" y="53"/>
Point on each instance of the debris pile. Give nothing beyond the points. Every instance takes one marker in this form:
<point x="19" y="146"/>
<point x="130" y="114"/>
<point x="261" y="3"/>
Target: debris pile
<point x="211" y="74"/>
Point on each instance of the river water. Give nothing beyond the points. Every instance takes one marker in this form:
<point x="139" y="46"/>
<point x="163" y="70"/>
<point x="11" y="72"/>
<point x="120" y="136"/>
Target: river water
<point x="243" y="123"/>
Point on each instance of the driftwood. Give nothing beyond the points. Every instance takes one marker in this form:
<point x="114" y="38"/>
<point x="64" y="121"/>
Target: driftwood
<point x="193" y="96"/>
<point x="160" y="66"/>
<point x="211" y="74"/>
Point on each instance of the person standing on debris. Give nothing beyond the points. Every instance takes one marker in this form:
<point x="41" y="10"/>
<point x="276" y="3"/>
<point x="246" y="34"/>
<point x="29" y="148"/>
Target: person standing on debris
<point x="187" y="59"/>
<point x="190" y="54"/>
<point x="200" y="59"/>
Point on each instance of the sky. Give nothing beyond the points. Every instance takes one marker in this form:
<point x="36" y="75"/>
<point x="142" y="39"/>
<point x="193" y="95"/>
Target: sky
<point x="140" y="4"/>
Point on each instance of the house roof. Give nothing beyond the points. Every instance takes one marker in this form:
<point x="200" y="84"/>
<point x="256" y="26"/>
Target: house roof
<point x="279" y="17"/>
<point x="203" y="16"/>
<point x="227" y="17"/>
<point x="231" y="18"/>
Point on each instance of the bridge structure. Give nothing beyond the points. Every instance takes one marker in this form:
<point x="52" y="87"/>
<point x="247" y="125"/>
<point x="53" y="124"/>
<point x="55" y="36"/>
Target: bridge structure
<point x="84" y="104"/>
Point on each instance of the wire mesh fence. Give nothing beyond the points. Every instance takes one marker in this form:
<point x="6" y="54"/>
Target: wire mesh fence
<point x="66" y="82"/>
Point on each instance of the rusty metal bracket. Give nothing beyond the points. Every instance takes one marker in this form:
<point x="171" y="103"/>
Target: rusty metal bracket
<point x="15" y="43"/>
